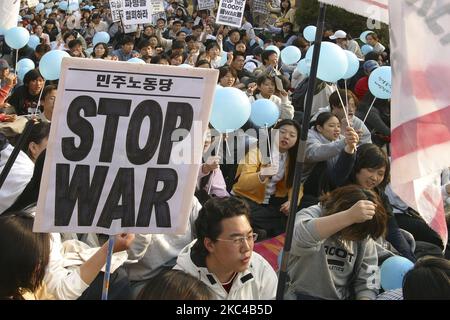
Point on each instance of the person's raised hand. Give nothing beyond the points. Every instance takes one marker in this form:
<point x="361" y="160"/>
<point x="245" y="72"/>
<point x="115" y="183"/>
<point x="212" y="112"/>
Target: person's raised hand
<point x="361" y="211"/>
<point x="351" y="140"/>
<point x="123" y="242"/>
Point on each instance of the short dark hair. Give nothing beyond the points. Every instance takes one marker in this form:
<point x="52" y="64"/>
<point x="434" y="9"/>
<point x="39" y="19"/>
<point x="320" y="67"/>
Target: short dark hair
<point x="175" y="285"/>
<point x="209" y="220"/>
<point x="428" y="280"/>
<point x="39" y="132"/>
<point x="322" y="118"/>
<point x="24" y="255"/>
<point x="127" y="39"/>
<point x="48" y="89"/>
<point x="335" y="101"/>
<point x="371" y="156"/>
<point x="344" y="198"/>
<point x="266" y="54"/>
<point x="31" y="76"/>
<point x="73" y="43"/>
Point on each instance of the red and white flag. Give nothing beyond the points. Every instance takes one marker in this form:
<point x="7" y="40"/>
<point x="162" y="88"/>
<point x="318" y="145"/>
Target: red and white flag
<point x="420" y="122"/>
<point x="420" y="49"/>
<point x="373" y="9"/>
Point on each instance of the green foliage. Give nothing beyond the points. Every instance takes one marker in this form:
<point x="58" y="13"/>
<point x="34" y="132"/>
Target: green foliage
<point x="337" y="18"/>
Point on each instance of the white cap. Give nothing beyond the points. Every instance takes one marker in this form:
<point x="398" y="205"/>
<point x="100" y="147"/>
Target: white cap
<point x="340" y="34"/>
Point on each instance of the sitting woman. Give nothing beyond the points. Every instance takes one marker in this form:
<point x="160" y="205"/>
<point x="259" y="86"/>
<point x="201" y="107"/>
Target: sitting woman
<point x="267" y="187"/>
<point x="369" y="168"/>
<point x="266" y="90"/>
<point x="333" y="254"/>
<point x="210" y="181"/>
<point x="37" y="140"/>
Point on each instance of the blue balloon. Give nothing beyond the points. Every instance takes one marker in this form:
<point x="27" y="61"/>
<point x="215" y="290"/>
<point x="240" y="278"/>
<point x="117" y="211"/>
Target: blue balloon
<point x="304" y="67"/>
<point x="101" y="36"/>
<point x="22" y="72"/>
<point x="223" y="59"/>
<point x="353" y="64"/>
<point x="230" y="110"/>
<point x="363" y="36"/>
<point x="380" y="82"/>
<point x="40" y="6"/>
<point x="291" y="55"/>
<point x="34" y="41"/>
<point x="309" y="33"/>
<point x="264" y="113"/>
<point x="50" y="64"/>
<point x="332" y="62"/>
<point x="25" y="63"/>
<point x="365" y="49"/>
<point x="63" y="5"/>
<point x="393" y="271"/>
<point x="47" y="12"/>
<point x="273" y="48"/>
<point x="185" y="65"/>
<point x="136" y="60"/>
<point x="17" y="37"/>
<point x="73" y="6"/>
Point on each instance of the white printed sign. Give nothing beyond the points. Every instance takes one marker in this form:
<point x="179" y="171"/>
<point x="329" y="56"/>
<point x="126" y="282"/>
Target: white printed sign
<point x="230" y="12"/>
<point x="113" y="159"/>
<point x="9" y="11"/>
<point x="116" y="9"/>
<point x="206" y="4"/>
<point x="157" y="6"/>
<point x="136" y="12"/>
<point x="32" y="3"/>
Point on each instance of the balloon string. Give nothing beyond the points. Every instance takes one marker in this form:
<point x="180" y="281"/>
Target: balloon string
<point x="370" y="108"/>
<point x="268" y="144"/>
<point x="346" y="93"/>
<point x="15" y="66"/>
<point x="344" y="107"/>
<point x="40" y="96"/>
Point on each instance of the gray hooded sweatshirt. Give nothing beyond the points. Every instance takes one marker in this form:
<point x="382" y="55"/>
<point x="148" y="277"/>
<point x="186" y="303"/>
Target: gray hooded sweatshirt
<point x="331" y="268"/>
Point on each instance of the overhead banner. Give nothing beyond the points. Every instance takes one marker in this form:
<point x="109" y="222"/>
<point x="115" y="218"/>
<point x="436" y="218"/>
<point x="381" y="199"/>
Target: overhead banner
<point x="136" y="12"/>
<point x="125" y="147"/>
<point x="230" y="12"/>
<point x="9" y="11"/>
<point x="373" y="9"/>
<point x="206" y="4"/>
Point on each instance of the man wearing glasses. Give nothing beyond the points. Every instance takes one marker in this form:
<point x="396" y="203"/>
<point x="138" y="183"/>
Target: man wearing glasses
<point x="222" y="256"/>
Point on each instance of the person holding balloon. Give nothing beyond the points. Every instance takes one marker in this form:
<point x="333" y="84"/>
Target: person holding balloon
<point x="25" y="98"/>
<point x="266" y="185"/>
<point x="266" y="89"/>
<point x="333" y="253"/>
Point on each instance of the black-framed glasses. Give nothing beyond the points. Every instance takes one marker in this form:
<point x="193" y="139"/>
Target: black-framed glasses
<point x="239" y="241"/>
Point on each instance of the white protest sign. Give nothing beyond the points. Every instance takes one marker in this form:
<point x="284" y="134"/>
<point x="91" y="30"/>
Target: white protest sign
<point x="136" y="12"/>
<point x="130" y="28"/>
<point x="230" y="12"/>
<point x="32" y="3"/>
<point x="157" y="6"/>
<point x="158" y="15"/>
<point x="116" y="8"/>
<point x="113" y="163"/>
<point x="206" y="4"/>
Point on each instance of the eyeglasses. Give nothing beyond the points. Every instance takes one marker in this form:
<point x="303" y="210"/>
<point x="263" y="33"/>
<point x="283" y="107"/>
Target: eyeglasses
<point x="239" y="241"/>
